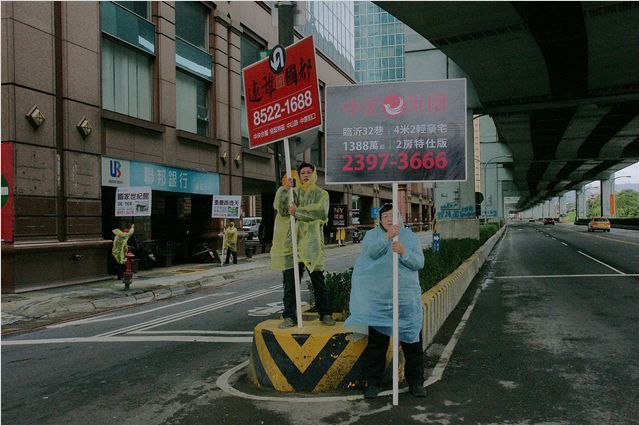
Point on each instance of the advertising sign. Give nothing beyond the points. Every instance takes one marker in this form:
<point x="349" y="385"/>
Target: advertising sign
<point x="226" y="206"/>
<point x="133" y="201"/>
<point x="338" y="216"/>
<point x="282" y="94"/>
<point x="375" y="213"/>
<point x="118" y="173"/>
<point x="396" y="132"/>
<point x="7" y="192"/>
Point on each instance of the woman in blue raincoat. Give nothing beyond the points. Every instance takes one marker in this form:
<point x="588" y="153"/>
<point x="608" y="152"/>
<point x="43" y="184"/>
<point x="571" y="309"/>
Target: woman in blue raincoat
<point x="371" y="302"/>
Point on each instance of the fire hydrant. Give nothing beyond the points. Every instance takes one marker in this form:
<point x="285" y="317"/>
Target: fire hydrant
<point x="127" y="277"/>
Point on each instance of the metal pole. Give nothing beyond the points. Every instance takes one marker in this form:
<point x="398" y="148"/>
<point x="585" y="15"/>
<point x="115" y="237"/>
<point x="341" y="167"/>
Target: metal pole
<point x="296" y="271"/>
<point x="285" y="37"/>
<point x="395" y="300"/>
<point x="223" y="241"/>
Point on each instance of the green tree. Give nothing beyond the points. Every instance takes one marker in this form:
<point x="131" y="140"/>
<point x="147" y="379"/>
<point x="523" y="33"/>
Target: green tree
<point x="627" y="203"/>
<point x="594" y="207"/>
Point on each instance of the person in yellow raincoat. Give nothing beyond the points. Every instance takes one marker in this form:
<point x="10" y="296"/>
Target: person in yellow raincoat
<point x="282" y="247"/>
<point x="120" y="248"/>
<point x="230" y="242"/>
<point x="310" y="209"/>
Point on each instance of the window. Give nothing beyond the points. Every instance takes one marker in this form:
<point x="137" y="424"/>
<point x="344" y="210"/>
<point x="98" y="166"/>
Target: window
<point x="126" y="80"/>
<point x="191" y="23"/>
<point x="249" y="53"/>
<point x="194" y="74"/>
<point x="140" y="8"/>
<point x="192" y="105"/>
<point x="316" y="151"/>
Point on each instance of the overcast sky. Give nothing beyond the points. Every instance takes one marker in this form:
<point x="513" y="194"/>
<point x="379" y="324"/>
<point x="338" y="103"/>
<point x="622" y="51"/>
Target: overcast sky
<point x="632" y="171"/>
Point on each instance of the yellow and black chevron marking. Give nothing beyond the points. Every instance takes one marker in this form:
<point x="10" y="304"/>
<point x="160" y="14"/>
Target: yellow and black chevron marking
<point x="313" y="359"/>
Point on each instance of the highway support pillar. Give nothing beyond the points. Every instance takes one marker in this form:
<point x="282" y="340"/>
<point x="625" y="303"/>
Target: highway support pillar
<point x="608" y="196"/>
<point x="581" y="207"/>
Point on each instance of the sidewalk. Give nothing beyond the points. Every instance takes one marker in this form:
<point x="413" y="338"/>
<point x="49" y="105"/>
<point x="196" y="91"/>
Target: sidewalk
<point x="24" y="311"/>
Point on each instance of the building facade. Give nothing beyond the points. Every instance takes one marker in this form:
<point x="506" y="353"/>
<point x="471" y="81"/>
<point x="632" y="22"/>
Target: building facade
<point x="98" y="96"/>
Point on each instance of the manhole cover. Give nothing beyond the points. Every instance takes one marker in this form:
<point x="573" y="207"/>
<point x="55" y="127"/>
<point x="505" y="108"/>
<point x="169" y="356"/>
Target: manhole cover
<point x="187" y="271"/>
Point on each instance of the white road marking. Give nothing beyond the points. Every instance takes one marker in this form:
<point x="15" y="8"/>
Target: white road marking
<point x="508" y="277"/>
<point x="599" y="261"/>
<point x="203" y="332"/>
<point x="223" y="383"/>
<point x="564" y="244"/>
<point x="190" y="313"/>
<point x="124" y="339"/>
<point x="439" y="368"/>
<point x="108" y="317"/>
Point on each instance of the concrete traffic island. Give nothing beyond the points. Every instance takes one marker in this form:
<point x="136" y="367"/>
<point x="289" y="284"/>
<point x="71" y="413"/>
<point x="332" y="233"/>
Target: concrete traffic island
<point x="319" y="358"/>
<point x="316" y="358"/>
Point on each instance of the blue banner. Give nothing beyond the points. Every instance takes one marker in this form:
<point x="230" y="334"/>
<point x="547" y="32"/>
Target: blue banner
<point x="172" y="179"/>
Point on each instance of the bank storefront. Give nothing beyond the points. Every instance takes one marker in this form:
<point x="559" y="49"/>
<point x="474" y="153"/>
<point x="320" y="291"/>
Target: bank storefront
<point x="180" y="209"/>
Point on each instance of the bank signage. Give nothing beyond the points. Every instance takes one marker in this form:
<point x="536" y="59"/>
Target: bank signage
<point x="116" y="172"/>
<point x="226" y="206"/>
<point x="396" y="132"/>
<point x="133" y="201"/>
<point x="282" y="94"/>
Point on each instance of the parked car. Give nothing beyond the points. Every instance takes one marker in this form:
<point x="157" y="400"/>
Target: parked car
<point x="549" y="221"/>
<point x="532" y="219"/>
<point x="251" y="225"/>
<point x="599" y="223"/>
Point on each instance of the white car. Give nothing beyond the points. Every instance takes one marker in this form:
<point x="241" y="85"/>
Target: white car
<point x="251" y="225"/>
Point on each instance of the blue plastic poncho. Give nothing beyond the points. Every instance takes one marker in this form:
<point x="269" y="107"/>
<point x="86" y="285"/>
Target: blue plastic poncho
<point x="371" y="301"/>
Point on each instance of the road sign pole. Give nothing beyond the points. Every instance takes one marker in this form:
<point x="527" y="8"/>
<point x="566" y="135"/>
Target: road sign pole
<point x="296" y="271"/>
<point x="223" y="242"/>
<point x="395" y="300"/>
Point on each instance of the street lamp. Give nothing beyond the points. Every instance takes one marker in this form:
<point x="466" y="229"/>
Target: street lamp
<point x="486" y="178"/>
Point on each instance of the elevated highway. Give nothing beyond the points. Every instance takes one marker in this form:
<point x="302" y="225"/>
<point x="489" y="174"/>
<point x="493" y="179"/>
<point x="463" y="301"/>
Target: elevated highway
<point x="559" y="79"/>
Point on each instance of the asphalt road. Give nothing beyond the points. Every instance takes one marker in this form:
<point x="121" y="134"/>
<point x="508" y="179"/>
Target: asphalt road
<point x="547" y="333"/>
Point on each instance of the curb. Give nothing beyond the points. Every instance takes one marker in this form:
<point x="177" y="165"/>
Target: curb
<point x="165" y="292"/>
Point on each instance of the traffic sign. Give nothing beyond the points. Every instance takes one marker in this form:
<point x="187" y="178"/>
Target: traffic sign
<point x="282" y="94"/>
<point x="7" y="192"/>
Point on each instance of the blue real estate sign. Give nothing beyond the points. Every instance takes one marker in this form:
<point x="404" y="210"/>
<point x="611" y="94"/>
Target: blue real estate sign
<point x="397" y="132"/>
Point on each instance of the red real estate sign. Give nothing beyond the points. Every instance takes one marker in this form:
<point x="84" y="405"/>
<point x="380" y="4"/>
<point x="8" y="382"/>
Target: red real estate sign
<point x="7" y="191"/>
<point x="282" y="94"/>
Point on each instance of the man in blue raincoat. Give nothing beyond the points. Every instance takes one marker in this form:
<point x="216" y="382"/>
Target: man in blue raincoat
<point x="371" y="302"/>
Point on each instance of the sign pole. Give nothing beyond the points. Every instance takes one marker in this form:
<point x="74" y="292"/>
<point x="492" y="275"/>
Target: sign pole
<point x="223" y="241"/>
<point x="395" y="300"/>
<point x="296" y="271"/>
